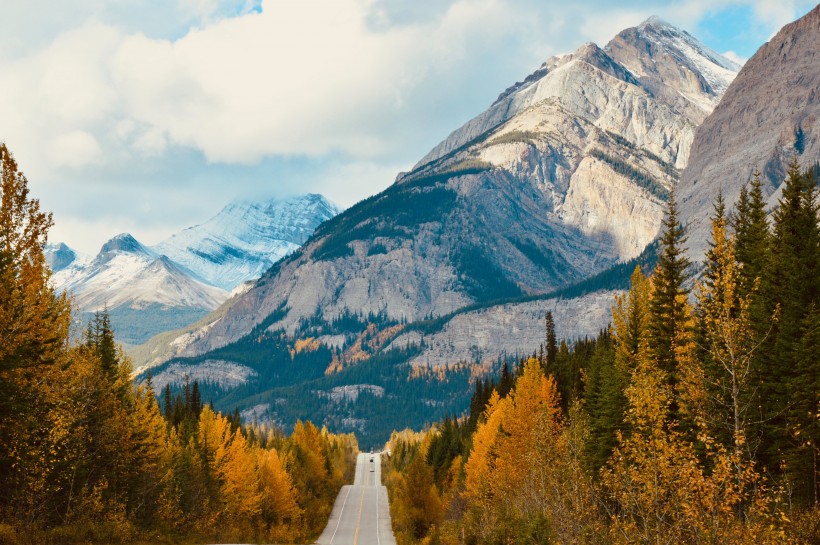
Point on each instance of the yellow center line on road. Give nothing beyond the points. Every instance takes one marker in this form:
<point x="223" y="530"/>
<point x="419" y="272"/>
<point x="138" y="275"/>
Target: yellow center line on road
<point x="361" y="505"/>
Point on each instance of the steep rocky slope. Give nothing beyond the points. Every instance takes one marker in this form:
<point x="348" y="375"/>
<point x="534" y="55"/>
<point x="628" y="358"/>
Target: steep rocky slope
<point x="769" y="114"/>
<point x="563" y="176"/>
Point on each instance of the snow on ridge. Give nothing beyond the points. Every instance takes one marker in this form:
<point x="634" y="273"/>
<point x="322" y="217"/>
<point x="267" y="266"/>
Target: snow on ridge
<point x="717" y="70"/>
<point x="246" y="237"/>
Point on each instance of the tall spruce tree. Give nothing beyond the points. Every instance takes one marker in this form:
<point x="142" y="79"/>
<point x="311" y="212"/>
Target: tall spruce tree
<point x="752" y="237"/>
<point x="667" y="304"/>
<point x="787" y="403"/>
<point x="792" y="286"/>
<point x="550" y="342"/>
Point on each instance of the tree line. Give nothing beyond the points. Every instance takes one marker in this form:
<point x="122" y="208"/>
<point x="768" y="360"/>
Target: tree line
<point x="692" y="419"/>
<point x="87" y="455"/>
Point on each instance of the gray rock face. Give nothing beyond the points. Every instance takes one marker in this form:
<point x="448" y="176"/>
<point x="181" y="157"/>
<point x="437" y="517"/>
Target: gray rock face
<point x="769" y="114"/>
<point x="563" y="176"/>
<point x="513" y="329"/>
<point x="652" y="84"/>
<point x="59" y="256"/>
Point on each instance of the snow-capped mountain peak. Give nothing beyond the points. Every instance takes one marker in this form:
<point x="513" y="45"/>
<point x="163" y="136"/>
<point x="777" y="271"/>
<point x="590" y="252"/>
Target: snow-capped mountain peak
<point x="124" y="243"/>
<point x="59" y="256"/>
<point x="654" y="63"/>
<point x="148" y="290"/>
<point x="246" y="237"/>
<point x="656" y="40"/>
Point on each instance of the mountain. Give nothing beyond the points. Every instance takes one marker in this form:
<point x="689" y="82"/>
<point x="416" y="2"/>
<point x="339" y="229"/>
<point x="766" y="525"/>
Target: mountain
<point x="769" y="114"/>
<point x="59" y="256"/>
<point x="143" y="292"/>
<point x="564" y="176"/>
<point x="148" y="290"/>
<point x="246" y="238"/>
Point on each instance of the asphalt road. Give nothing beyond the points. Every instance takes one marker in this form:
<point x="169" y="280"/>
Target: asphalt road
<point x="361" y="514"/>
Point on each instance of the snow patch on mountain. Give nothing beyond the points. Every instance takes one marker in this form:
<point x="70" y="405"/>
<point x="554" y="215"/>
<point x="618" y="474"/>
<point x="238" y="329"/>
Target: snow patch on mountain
<point x="246" y="238"/>
<point x="127" y="273"/>
<point x="558" y="79"/>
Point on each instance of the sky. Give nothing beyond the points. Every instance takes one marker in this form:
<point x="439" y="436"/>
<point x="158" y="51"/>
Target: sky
<point x="148" y="116"/>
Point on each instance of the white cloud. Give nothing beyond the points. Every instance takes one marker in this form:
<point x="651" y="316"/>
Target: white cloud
<point x="775" y="13"/>
<point x="74" y="149"/>
<point x="734" y="57"/>
<point x="173" y="97"/>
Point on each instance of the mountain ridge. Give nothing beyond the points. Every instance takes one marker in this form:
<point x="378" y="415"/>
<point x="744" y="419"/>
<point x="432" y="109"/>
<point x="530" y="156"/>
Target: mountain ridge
<point x="138" y="283"/>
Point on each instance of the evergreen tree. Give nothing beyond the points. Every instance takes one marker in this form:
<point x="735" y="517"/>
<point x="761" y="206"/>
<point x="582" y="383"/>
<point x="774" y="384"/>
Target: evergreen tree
<point x="792" y="287"/>
<point x="506" y="381"/>
<point x="713" y="253"/>
<point x="551" y="343"/>
<point x="167" y="403"/>
<point x="752" y="237"/>
<point x="100" y="339"/>
<point x="196" y="401"/>
<point x="667" y="305"/>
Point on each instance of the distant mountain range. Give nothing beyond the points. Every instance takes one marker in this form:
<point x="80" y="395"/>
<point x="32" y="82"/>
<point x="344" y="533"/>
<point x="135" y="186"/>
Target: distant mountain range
<point x="148" y="290"/>
<point x="528" y="207"/>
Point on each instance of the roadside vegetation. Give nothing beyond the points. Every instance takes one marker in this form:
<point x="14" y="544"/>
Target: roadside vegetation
<point x="87" y="456"/>
<point x="681" y="423"/>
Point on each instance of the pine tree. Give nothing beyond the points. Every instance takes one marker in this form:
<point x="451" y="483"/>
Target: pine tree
<point x="100" y="339"/>
<point x="608" y="374"/>
<point x="667" y="305"/>
<point x="167" y="403"/>
<point x="196" y="401"/>
<point x="712" y="253"/>
<point x="550" y="343"/>
<point x="792" y="287"/>
<point x="752" y="237"/>
<point x="505" y="381"/>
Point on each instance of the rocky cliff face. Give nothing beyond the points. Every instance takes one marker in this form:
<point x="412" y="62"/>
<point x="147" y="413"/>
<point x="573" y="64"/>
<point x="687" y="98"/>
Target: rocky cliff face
<point x="563" y="176"/>
<point x="769" y="114"/>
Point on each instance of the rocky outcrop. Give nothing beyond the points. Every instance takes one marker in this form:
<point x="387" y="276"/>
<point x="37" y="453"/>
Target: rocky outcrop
<point x="769" y="114"/>
<point x="511" y="330"/>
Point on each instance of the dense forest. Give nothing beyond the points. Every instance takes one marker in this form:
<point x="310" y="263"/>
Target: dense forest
<point x="87" y="456"/>
<point x="692" y="419"/>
